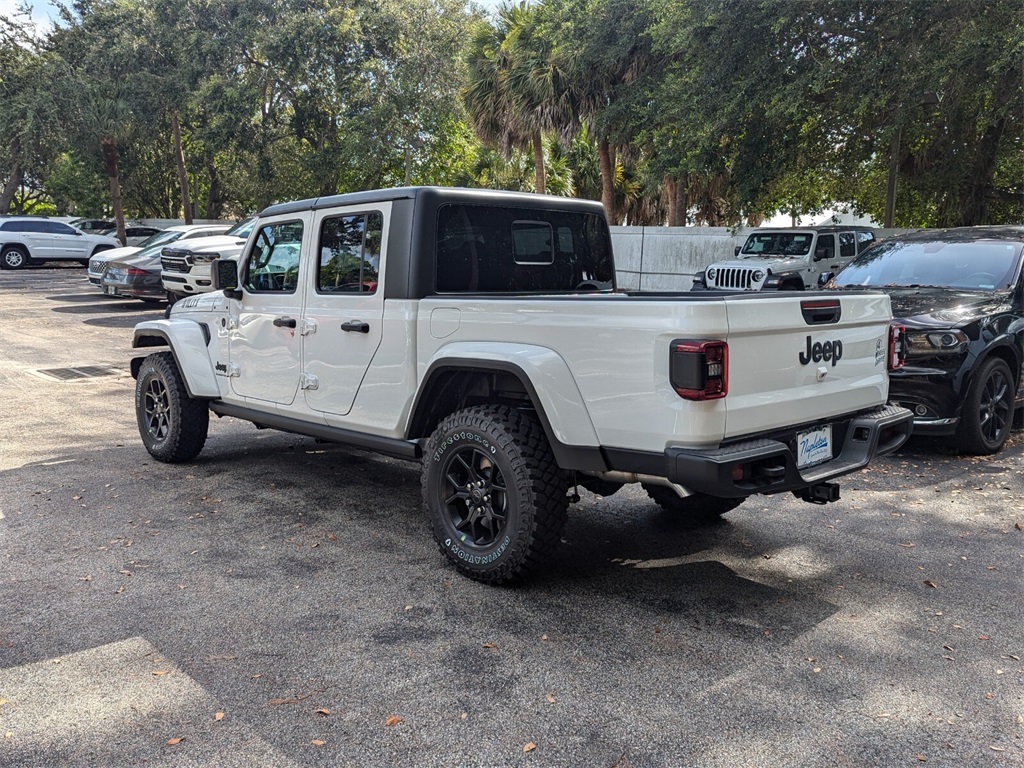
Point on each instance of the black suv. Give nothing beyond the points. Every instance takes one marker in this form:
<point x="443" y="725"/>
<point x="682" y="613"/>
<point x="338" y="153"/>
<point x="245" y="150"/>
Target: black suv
<point x="960" y="294"/>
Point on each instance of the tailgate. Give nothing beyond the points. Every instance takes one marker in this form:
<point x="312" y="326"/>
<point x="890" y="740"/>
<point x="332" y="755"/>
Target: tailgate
<point x="793" y="361"/>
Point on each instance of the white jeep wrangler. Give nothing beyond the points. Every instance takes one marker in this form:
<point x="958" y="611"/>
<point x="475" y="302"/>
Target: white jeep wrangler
<point x="785" y="258"/>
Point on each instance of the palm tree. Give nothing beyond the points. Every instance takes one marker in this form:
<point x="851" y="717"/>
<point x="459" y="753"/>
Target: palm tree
<point x="106" y="118"/>
<point x="518" y="90"/>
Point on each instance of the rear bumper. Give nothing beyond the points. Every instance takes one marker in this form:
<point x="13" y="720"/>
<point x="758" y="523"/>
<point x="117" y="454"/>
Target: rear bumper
<point x="768" y="465"/>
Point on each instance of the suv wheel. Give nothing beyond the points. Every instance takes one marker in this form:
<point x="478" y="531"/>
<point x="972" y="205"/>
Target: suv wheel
<point x="495" y="496"/>
<point x="987" y="414"/>
<point x="173" y="425"/>
<point x="14" y="257"/>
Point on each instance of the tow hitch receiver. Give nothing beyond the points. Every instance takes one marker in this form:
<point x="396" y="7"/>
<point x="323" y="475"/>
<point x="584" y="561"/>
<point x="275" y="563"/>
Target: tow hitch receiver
<point x="822" y="493"/>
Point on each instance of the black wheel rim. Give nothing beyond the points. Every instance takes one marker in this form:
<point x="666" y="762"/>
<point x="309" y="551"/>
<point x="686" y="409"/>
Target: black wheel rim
<point x="994" y="410"/>
<point x="156" y="406"/>
<point x="474" y="495"/>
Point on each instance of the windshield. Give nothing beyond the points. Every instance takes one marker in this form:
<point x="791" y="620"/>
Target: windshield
<point x="153" y="248"/>
<point x="160" y="238"/>
<point x="242" y="228"/>
<point x="984" y="265"/>
<point x="778" y="244"/>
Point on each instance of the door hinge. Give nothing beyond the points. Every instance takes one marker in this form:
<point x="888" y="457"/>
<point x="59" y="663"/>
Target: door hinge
<point x="308" y="381"/>
<point x="232" y="324"/>
<point x="308" y="326"/>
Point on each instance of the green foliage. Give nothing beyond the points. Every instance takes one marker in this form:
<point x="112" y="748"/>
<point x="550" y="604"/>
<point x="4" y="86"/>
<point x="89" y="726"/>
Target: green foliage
<point x="736" y="109"/>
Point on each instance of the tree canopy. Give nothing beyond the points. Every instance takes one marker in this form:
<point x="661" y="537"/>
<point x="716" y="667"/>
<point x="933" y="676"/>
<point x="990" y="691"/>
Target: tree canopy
<point x="669" y="111"/>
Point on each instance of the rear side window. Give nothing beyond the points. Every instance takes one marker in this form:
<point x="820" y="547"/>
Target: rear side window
<point x="24" y="226"/>
<point x="349" y="253"/>
<point x="847" y="245"/>
<point x="520" y="250"/>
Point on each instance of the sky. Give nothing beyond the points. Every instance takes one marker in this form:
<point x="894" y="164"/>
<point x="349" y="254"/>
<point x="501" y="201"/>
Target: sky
<point x="42" y="12"/>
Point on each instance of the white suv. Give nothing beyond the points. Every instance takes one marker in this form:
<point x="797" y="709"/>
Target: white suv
<point x="28" y="239"/>
<point x="786" y="258"/>
<point x="185" y="267"/>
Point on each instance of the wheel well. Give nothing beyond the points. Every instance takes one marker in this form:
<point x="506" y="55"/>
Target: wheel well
<point x="1005" y="353"/>
<point x="100" y="248"/>
<point x="452" y="389"/>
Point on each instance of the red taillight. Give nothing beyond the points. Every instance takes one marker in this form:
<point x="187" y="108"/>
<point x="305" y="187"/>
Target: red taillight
<point x="897" y="346"/>
<point x="137" y="272"/>
<point x="699" y="369"/>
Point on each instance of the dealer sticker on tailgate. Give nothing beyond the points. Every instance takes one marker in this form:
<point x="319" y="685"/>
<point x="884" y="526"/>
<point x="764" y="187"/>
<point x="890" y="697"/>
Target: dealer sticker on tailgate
<point x="814" y="446"/>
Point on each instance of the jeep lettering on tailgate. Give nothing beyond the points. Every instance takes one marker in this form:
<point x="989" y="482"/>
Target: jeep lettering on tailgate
<point x="816" y="352"/>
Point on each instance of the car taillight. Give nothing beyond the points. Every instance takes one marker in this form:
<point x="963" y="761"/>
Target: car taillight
<point x="137" y="272"/>
<point x="897" y="346"/>
<point x="699" y="369"/>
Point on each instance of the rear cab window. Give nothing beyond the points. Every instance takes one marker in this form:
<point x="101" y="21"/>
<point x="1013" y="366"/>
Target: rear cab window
<point x="484" y="248"/>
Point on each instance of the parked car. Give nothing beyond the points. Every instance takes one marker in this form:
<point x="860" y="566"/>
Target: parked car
<point x="94" y="225"/>
<point x="28" y="239"/>
<point x="98" y="264"/>
<point x="185" y="266"/>
<point x="135" y="235"/>
<point x="960" y="294"/>
<point x="135" y="277"/>
<point x="786" y="258"/>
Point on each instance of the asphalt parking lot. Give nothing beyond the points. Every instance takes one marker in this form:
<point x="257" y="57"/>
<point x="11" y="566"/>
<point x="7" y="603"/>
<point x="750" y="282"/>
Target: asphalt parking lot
<point x="280" y="602"/>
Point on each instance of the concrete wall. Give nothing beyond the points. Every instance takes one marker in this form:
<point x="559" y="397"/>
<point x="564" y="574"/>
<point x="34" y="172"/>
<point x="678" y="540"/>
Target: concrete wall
<point x="666" y="258"/>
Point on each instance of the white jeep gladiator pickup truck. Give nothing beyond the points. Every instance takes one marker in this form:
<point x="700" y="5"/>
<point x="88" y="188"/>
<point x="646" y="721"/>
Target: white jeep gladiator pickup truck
<point x="480" y="333"/>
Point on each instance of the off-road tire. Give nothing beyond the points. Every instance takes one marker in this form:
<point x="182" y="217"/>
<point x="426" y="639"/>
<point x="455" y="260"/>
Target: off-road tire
<point x="698" y="506"/>
<point x="987" y="414"/>
<point x="495" y="497"/>
<point x="173" y="425"/>
<point x="14" y="257"/>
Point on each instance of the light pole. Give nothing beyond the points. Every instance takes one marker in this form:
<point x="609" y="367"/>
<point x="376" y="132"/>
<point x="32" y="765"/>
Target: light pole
<point x="416" y="143"/>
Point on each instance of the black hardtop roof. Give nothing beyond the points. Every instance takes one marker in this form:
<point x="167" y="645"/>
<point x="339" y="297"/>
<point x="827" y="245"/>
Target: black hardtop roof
<point x="828" y="228"/>
<point x="438" y="194"/>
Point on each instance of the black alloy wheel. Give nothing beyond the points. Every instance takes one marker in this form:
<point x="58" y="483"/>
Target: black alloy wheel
<point x="493" y="492"/>
<point x="173" y="426"/>
<point x="987" y="414"/>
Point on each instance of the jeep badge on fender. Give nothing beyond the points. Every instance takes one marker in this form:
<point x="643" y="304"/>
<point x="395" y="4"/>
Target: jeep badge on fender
<point x="816" y="352"/>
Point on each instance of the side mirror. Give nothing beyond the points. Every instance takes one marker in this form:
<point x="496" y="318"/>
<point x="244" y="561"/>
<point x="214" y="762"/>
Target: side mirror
<point x="820" y="253"/>
<point x="736" y="251"/>
<point x="224" y="277"/>
<point x="824" y="277"/>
